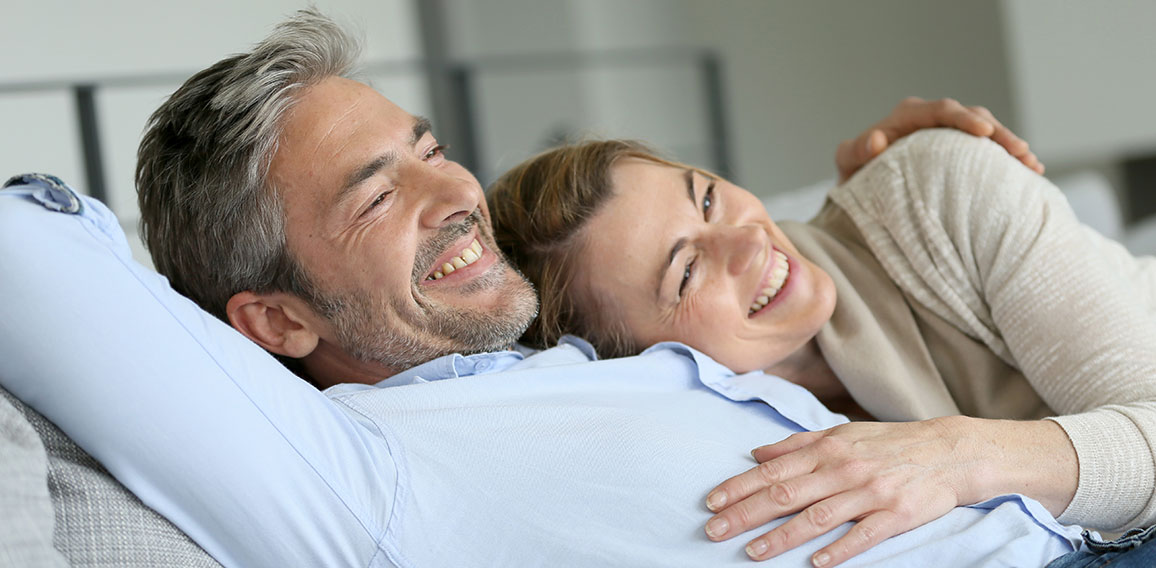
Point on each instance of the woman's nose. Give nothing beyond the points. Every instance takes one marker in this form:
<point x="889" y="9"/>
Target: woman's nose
<point x="741" y="246"/>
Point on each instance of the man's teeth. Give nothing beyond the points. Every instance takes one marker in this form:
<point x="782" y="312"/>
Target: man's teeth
<point x="778" y="275"/>
<point x="467" y="257"/>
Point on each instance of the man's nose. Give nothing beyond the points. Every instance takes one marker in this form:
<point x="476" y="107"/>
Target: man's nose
<point x="449" y="198"/>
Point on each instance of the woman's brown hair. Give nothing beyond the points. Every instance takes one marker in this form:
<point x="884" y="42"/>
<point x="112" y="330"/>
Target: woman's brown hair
<point x="539" y="209"/>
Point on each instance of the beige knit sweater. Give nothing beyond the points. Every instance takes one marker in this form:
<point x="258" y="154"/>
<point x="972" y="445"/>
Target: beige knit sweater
<point x="966" y="286"/>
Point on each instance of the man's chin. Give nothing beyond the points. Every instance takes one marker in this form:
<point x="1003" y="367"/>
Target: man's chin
<point x="486" y="291"/>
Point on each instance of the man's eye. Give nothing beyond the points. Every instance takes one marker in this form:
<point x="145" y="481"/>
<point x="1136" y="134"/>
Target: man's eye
<point x="707" y="201"/>
<point x="376" y="201"/>
<point x="686" y="274"/>
<point x="435" y="151"/>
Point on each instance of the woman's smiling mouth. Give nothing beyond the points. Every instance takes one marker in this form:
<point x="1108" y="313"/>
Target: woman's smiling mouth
<point x="780" y="271"/>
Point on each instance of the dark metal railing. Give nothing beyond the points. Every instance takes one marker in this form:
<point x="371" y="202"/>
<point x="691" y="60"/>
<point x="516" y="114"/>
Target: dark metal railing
<point x="459" y="77"/>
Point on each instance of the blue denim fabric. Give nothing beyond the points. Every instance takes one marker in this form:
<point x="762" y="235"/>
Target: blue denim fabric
<point x="1136" y="548"/>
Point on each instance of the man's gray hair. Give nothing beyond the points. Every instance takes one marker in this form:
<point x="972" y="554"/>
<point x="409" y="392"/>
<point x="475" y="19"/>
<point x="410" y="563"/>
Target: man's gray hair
<point x="211" y="219"/>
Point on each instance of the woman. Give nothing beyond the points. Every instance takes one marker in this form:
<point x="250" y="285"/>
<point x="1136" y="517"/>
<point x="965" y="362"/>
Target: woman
<point x="1019" y="346"/>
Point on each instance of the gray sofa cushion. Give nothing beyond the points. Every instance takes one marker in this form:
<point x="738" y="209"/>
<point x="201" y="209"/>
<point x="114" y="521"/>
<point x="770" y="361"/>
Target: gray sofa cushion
<point x="26" y="514"/>
<point x="98" y="521"/>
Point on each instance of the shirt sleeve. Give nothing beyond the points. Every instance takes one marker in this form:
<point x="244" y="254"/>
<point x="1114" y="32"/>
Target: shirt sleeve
<point x="253" y="463"/>
<point x="995" y="249"/>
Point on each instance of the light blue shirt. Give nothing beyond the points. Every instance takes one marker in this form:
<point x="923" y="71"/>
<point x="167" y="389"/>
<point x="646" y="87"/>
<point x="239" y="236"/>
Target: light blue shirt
<point x="499" y="459"/>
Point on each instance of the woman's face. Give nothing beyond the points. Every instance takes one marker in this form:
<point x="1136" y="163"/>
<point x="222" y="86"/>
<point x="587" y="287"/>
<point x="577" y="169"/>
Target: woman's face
<point x="679" y="256"/>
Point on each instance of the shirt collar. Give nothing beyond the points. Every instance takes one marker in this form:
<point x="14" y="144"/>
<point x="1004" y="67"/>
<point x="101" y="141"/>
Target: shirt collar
<point x="455" y="366"/>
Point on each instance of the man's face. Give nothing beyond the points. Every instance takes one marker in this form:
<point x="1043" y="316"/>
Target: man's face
<point x="395" y="237"/>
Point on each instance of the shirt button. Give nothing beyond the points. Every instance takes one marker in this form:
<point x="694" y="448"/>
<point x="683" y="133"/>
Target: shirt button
<point x="483" y="365"/>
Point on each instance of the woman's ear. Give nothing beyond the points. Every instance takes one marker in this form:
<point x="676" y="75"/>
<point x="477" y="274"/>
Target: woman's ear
<point x="278" y="322"/>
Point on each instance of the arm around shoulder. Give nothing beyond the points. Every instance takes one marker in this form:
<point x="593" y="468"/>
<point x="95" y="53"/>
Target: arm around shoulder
<point x="179" y="407"/>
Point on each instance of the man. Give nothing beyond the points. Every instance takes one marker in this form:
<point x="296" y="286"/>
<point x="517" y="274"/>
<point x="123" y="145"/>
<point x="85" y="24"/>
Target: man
<point x="325" y="224"/>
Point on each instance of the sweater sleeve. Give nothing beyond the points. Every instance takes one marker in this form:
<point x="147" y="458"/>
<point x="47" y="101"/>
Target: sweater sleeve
<point x="995" y="249"/>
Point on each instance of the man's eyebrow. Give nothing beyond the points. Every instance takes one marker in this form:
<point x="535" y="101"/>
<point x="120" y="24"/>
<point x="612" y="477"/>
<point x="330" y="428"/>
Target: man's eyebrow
<point x="420" y="127"/>
<point x="678" y="245"/>
<point x="363" y="173"/>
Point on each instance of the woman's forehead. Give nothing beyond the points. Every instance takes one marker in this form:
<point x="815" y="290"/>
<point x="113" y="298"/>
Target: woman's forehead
<point x="625" y="243"/>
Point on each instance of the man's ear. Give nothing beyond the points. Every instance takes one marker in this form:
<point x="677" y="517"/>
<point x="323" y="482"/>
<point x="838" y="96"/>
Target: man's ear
<point x="278" y="322"/>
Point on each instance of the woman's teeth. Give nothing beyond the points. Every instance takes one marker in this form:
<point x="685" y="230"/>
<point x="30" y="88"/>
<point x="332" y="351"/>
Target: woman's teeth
<point x="778" y="275"/>
<point x="467" y="257"/>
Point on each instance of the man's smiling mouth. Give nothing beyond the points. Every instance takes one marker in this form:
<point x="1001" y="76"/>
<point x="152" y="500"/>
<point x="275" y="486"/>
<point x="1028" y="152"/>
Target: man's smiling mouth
<point x="466" y="257"/>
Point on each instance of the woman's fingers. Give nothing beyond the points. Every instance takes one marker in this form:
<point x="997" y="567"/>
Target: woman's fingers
<point x="898" y="517"/>
<point x="768" y="472"/>
<point x="903" y="473"/>
<point x="787" y="445"/>
<point x="778" y="500"/>
<point x="819" y="519"/>
<point x="875" y="519"/>
<point x="863" y="535"/>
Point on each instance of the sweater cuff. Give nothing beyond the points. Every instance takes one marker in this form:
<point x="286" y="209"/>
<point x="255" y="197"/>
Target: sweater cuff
<point x="1114" y="492"/>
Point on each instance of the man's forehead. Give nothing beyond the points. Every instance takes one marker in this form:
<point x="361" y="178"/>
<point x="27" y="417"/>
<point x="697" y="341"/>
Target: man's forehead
<point x="337" y="108"/>
<point x="338" y="125"/>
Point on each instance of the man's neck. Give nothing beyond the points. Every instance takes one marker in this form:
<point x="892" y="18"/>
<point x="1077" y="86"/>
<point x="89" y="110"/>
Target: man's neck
<point x="328" y="365"/>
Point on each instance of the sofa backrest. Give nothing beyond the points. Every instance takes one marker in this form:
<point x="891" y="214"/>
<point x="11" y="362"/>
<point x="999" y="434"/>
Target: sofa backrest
<point x="97" y="521"/>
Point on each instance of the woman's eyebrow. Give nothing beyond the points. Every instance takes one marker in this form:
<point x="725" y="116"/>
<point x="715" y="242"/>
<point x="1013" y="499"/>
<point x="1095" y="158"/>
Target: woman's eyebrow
<point x="689" y="175"/>
<point x="678" y="245"/>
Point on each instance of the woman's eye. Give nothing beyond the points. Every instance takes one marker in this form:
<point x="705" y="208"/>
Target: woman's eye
<point x="435" y="151"/>
<point x="686" y="274"/>
<point x="707" y="201"/>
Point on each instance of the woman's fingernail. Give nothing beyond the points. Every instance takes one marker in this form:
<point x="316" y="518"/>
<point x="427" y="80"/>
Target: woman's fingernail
<point x="716" y="500"/>
<point x="757" y="548"/>
<point x="717" y="527"/>
<point x="821" y="559"/>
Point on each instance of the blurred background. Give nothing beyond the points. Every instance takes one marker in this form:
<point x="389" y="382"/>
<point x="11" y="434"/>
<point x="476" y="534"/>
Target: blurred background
<point x="761" y="91"/>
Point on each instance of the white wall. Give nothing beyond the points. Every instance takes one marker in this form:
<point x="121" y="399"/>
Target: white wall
<point x="802" y="76"/>
<point x="1073" y="78"/>
<point x="799" y="76"/>
<point x="526" y="105"/>
<point x="1084" y="84"/>
<point x="159" y="42"/>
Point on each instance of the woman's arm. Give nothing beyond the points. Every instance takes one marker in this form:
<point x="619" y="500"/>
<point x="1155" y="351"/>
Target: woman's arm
<point x="890" y="478"/>
<point x="996" y="251"/>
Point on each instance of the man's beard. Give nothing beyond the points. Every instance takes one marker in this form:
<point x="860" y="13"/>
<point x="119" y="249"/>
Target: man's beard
<point x="363" y="330"/>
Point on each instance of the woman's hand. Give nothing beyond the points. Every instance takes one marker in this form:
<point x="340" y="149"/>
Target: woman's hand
<point x="914" y="113"/>
<point x="890" y="478"/>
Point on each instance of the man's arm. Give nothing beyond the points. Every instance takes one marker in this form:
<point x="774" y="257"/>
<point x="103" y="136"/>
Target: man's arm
<point x="254" y="464"/>
<point x="914" y="113"/>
